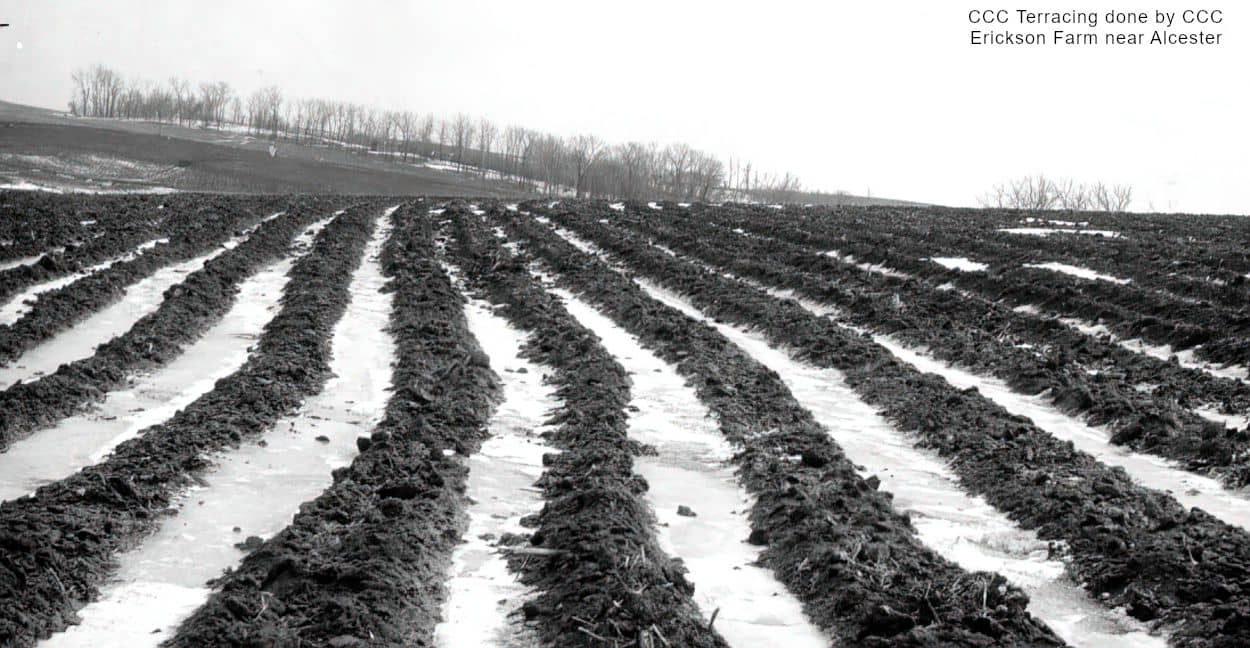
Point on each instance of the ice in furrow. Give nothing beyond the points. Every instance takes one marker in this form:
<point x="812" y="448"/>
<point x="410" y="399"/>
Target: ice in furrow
<point x="1076" y="271"/>
<point x="961" y="527"/>
<point x="481" y="592"/>
<point x="960" y="263"/>
<point x="256" y="489"/>
<point x="692" y="470"/>
<point x="140" y="299"/>
<point x="23" y="302"/>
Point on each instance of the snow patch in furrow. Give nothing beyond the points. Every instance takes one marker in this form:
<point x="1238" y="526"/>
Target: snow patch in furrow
<point x="78" y="441"/>
<point x="482" y="592"/>
<point x="255" y="489"/>
<point x="878" y="268"/>
<point x="15" y="263"/>
<point x="960" y="263"/>
<point x="692" y="470"/>
<point x="1045" y="231"/>
<point x="1187" y="358"/>
<point x="1231" y="506"/>
<point x="961" y="527"/>
<point x="1076" y="271"/>
<point x="1188" y="488"/>
<point x="140" y="299"/>
<point x="19" y="306"/>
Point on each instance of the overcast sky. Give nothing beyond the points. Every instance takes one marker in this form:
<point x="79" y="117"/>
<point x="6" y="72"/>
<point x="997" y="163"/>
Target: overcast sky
<point x="887" y="97"/>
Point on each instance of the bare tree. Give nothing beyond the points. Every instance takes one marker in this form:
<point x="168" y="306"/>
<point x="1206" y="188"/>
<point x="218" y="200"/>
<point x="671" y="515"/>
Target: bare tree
<point x="583" y="152"/>
<point x="1113" y="199"/>
<point x="462" y="136"/>
<point x="486" y="132"/>
<point x="1039" y="192"/>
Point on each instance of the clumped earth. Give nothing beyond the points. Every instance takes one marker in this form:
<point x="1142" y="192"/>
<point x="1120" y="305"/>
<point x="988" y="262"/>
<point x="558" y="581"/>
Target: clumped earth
<point x="367" y="561"/>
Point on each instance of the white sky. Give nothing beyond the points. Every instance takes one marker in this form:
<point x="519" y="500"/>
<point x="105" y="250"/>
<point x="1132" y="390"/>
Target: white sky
<point x="886" y="96"/>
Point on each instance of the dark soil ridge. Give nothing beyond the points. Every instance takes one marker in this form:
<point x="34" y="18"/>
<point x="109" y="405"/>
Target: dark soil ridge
<point x="187" y="311"/>
<point x="365" y="562"/>
<point x="1181" y="255"/>
<point x="1164" y="258"/>
<point x="121" y="226"/>
<point x="1127" y="545"/>
<point x="1001" y="287"/>
<point x="1216" y="327"/>
<point x="57" y="310"/>
<point x="608" y="582"/>
<point x="987" y="338"/>
<point x="60" y="544"/>
<point x="831" y="537"/>
<point x="34" y="222"/>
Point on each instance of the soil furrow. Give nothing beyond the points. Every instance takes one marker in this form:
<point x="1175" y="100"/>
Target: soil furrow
<point x="1128" y="545"/>
<point x="252" y="491"/>
<point x="62" y="542"/>
<point x="365" y="562"/>
<point x="62" y="308"/>
<point x="483" y="595"/>
<point x="1031" y="355"/>
<point x="186" y="311"/>
<point x="601" y="577"/>
<point x="830" y="536"/>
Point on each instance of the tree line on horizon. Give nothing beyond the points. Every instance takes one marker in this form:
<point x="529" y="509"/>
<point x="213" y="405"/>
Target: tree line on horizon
<point x="530" y="159"/>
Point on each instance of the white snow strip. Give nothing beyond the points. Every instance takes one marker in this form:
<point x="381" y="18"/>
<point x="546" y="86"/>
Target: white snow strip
<point x="652" y="205"/>
<point x="1044" y="231"/>
<point x="1236" y="421"/>
<point x="692" y="470"/>
<point x="1187" y="357"/>
<point x="961" y="527"/>
<point x="960" y="263"/>
<point x="255" y="489"/>
<point x="58" y="451"/>
<point x="23" y="302"/>
<point x="1153" y="472"/>
<point x="878" y="268"/>
<point x="1188" y="488"/>
<point x="15" y="263"/>
<point x="617" y="206"/>
<point x="482" y="592"/>
<point x="140" y="299"/>
<point x="1076" y="271"/>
